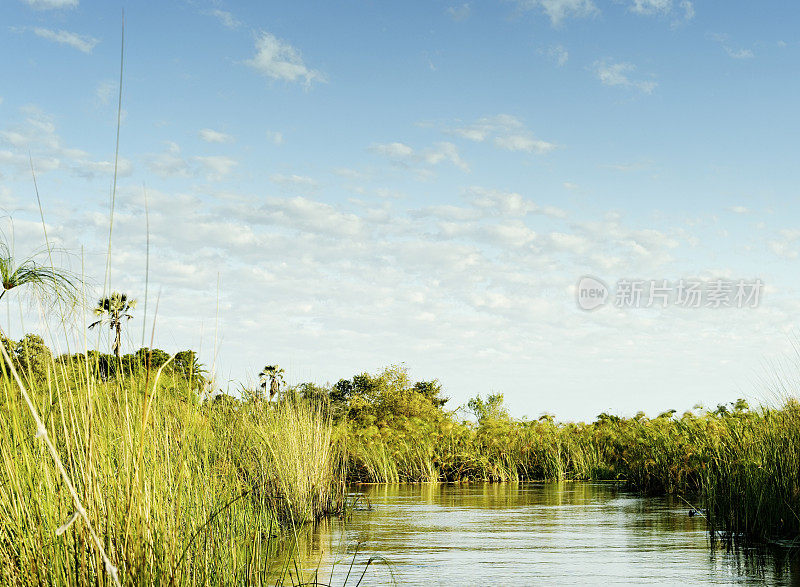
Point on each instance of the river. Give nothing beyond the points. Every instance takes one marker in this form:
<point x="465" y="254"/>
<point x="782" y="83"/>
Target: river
<point x="569" y="533"/>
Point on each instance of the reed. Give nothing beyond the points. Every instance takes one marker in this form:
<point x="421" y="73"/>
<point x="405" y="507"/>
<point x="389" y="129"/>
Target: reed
<point x="752" y="482"/>
<point x="178" y="492"/>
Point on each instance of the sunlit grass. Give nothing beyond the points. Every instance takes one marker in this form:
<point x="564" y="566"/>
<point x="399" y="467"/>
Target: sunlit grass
<point x="178" y="492"/>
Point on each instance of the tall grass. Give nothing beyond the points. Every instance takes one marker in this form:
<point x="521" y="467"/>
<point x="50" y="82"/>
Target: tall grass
<point x="752" y="481"/>
<point x="178" y="492"/>
<point x="418" y="451"/>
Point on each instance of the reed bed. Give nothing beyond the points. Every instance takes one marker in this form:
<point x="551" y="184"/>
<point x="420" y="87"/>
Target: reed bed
<point x="179" y="492"/>
<point x="752" y="481"/>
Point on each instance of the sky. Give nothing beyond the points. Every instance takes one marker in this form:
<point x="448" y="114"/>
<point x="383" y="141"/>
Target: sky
<point x="337" y="187"/>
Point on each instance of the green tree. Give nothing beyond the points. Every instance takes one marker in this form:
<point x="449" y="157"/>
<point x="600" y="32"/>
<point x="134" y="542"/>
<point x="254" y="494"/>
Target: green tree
<point x="114" y="311"/>
<point x="341" y="391"/>
<point x="30" y="356"/>
<point x="273" y="375"/>
<point x="432" y="390"/>
<point x="188" y="367"/>
<point x="33" y="356"/>
<point x="152" y="359"/>
<point x="489" y="410"/>
<point x="388" y="395"/>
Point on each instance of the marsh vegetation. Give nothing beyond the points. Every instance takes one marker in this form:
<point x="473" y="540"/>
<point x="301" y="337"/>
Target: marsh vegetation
<point x="188" y="488"/>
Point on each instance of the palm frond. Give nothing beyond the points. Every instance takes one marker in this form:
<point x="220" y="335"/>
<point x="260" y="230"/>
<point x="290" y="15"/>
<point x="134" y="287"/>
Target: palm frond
<point x="49" y="283"/>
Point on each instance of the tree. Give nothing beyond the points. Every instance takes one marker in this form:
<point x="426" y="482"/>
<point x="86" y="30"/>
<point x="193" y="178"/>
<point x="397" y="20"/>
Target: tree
<point x="188" y="367"/>
<point x="341" y="391"/>
<point x="492" y="409"/>
<point x="49" y="283"/>
<point x="33" y="356"/>
<point x="274" y="375"/>
<point x="30" y="355"/>
<point x="432" y="390"/>
<point x="114" y="310"/>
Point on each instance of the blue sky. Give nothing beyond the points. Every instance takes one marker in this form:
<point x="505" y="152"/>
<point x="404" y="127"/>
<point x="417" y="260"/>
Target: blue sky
<point x="423" y="182"/>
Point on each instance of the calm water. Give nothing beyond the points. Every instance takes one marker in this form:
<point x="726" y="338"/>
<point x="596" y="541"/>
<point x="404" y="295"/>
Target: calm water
<point x="530" y="533"/>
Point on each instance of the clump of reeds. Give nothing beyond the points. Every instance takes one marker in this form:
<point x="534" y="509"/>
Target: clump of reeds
<point x="752" y="482"/>
<point x="178" y="491"/>
<point x="298" y="462"/>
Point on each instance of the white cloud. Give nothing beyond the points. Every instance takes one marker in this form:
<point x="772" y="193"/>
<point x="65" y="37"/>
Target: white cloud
<point x="558" y="54"/>
<point x="631" y="166"/>
<point x="664" y="8"/>
<point x="523" y="143"/>
<point x="618" y="74"/>
<point x="558" y="10"/>
<point x="688" y="9"/>
<point x="83" y="43"/>
<point x="279" y="60"/>
<point x="651" y="6"/>
<point x="432" y="156"/>
<point x="505" y="203"/>
<point x="170" y="163"/>
<point x="225" y="18"/>
<point x="444" y="152"/>
<point x="348" y="173"/>
<point x="275" y="136"/>
<point x="392" y="150"/>
<point x="309" y="217"/>
<point x="51" y="4"/>
<point x="20" y="162"/>
<point x="105" y="90"/>
<point x="509" y="204"/>
<point x="739" y="210"/>
<point x="488" y="126"/>
<point x="739" y="53"/>
<point x="507" y="132"/>
<point x="37" y="135"/>
<point x="724" y="41"/>
<point x="91" y="169"/>
<point x="213" y="136"/>
<point x="215" y="167"/>
<point x="786" y="245"/>
<point x="459" y="13"/>
<point x="294" y="182"/>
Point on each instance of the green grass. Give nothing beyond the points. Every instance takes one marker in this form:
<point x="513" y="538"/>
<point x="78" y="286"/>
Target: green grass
<point x="178" y="492"/>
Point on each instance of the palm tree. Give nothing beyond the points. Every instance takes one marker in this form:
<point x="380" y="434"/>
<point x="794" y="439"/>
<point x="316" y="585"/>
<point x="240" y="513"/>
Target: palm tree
<point x="50" y="284"/>
<point x="273" y="374"/>
<point x="114" y="310"/>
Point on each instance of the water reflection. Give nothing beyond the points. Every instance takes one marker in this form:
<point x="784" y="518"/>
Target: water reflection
<point x="529" y="533"/>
